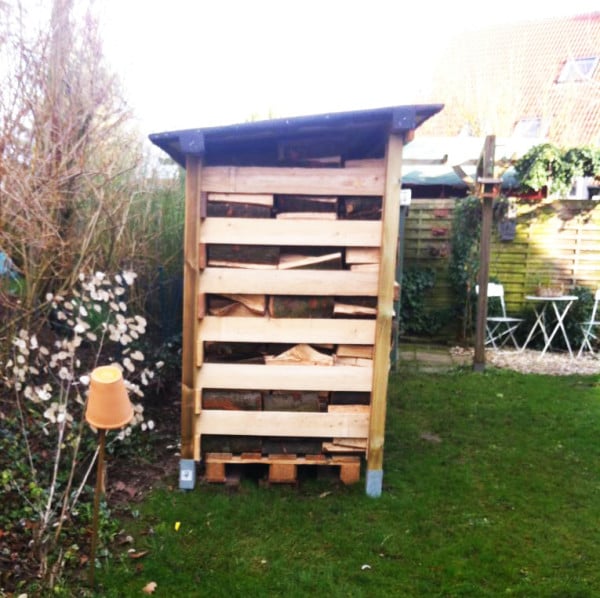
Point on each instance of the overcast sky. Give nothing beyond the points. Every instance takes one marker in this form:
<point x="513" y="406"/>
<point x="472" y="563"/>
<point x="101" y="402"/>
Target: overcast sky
<point x="196" y="63"/>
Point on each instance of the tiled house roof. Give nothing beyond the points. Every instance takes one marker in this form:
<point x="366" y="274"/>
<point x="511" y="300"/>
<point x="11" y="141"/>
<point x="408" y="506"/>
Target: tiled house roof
<point x="543" y="72"/>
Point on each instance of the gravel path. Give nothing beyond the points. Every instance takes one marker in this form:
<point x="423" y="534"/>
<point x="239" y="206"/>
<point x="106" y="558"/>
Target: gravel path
<point x="531" y="362"/>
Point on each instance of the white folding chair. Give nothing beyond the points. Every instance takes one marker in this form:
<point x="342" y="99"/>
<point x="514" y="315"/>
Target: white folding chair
<point x="588" y="327"/>
<point x="502" y="327"/>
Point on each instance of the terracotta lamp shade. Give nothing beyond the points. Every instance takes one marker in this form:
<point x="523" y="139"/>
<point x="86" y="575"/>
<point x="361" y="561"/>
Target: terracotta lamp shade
<point x="108" y="405"/>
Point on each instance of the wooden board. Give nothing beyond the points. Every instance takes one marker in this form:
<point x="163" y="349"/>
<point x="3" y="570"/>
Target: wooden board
<point x="354" y="361"/>
<point x="287" y="330"/>
<point x="269" y="231"/>
<point x="287" y="282"/>
<point x="283" y="423"/>
<point x="329" y="216"/>
<point x="294" y="181"/>
<point x="284" y="377"/>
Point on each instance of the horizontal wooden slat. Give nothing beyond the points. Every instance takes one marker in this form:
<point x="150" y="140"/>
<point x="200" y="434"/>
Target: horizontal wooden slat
<point x="288" y="282"/>
<point x="283" y="423"/>
<point x="265" y="231"/>
<point x="287" y="330"/>
<point x="284" y="377"/>
<point x="294" y="181"/>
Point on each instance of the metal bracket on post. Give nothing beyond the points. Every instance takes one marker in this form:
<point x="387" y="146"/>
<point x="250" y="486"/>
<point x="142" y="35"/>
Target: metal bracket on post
<point x="374" y="483"/>
<point x="187" y="474"/>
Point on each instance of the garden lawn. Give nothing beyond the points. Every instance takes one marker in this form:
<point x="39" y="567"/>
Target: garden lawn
<point x="491" y="487"/>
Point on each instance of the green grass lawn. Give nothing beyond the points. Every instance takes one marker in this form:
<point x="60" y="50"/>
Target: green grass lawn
<point x="491" y="488"/>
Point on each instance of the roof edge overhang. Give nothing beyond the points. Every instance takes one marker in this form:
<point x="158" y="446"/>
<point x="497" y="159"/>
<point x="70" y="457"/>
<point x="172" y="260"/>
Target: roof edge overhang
<point x="193" y="142"/>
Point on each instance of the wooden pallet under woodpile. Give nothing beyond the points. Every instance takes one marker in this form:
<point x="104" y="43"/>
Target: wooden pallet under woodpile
<point x="282" y="469"/>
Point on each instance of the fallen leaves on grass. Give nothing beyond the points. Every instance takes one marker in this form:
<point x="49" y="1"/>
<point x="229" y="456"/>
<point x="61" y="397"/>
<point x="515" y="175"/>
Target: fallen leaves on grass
<point x="138" y="555"/>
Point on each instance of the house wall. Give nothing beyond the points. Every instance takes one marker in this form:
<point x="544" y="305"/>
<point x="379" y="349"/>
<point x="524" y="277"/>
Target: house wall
<point x="556" y="242"/>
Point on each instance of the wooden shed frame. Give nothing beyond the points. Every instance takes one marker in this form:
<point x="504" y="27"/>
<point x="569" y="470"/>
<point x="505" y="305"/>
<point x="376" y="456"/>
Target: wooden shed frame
<point x="251" y="158"/>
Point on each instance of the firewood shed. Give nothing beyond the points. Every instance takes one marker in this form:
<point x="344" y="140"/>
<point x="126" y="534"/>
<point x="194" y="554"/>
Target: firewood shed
<point x="290" y="245"/>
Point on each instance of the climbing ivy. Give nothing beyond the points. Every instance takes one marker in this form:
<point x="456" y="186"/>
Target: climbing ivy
<point x="464" y="258"/>
<point x="464" y="255"/>
<point x="414" y="318"/>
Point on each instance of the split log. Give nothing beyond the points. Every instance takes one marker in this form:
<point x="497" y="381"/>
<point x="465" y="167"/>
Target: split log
<point x="240" y="205"/>
<point x="226" y="307"/>
<point x="219" y="352"/>
<point x="286" y="400"/>
<point x="350" y="398"/>
<point x="360" y="208"/>
<point x="291" y="446"/>
<point x="305" y="203"/>
<point x="286" y="306"/>
<point x="345" y="445"/>
<point x="363" y="255"/>
<point x="214" y="443"/>
<point x="329" y="261"/>
<point x="300" y="355"/>
<point x="257" y="303"/>
<point x="238" y="400"/>
<point x="362" y="351"/>
<point x="309" y="152"/>
<point x="243" y="256"/>
<point x="348" y="309"/>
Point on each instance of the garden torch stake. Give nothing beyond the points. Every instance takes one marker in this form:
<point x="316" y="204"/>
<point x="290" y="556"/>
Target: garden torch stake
<point x="99" y="476"/>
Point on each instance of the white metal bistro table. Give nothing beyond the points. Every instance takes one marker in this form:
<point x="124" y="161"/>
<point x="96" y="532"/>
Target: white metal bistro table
<point x="560" y="305"/>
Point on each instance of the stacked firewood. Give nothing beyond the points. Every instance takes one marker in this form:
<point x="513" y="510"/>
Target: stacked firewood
<point x="269" y="257"/>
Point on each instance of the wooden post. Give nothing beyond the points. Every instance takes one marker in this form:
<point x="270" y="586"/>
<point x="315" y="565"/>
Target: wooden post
<point x="383" y="328"/>
<point x="99" y="487"/>
<point x="485" y="170"/>
<point x="189" y="373"/>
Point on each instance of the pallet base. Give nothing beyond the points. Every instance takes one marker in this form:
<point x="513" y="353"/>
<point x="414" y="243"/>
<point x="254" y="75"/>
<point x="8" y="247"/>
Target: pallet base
<point x="283" y="469"/>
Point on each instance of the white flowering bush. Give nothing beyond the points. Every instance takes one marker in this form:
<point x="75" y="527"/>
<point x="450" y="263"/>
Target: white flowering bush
<point x="52" y="448"/>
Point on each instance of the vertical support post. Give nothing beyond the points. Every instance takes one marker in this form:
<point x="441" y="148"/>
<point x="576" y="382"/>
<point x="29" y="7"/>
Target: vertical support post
<point x="485" y="169"/>
<point x="191" y="289"/>
<point x="98" y="492"/>
<point x="385" y="306"/>
<point x="405" y="198"/>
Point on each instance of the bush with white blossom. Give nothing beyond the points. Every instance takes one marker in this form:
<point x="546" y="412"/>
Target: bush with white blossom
<point x="55" y="448"/>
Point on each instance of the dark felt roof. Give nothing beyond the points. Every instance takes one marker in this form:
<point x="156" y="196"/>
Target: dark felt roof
<point x="358" y="134"/>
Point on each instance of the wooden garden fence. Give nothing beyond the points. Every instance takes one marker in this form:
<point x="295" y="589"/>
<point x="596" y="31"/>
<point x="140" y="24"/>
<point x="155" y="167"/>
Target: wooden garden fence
<point x="555" y="242"/>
